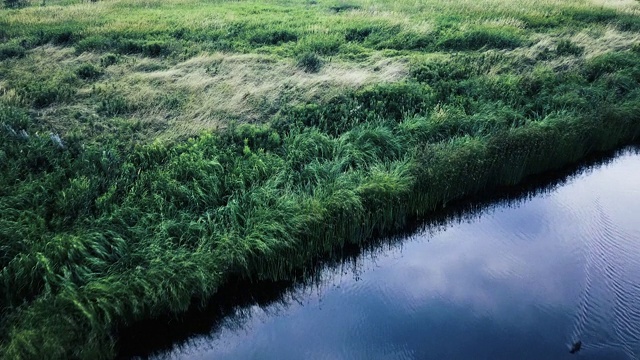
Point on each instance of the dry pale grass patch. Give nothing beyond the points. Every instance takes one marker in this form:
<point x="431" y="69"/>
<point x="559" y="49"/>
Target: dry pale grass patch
<point x="50" y="56"/>
<point x="594" y="42"/>
<point x="202" y="93"/>
<point x="251" y="87"/>
<point x="610" y="39"/>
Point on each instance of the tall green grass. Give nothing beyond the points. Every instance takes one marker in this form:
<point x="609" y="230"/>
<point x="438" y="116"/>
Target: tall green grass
<point x="116" y="237"/>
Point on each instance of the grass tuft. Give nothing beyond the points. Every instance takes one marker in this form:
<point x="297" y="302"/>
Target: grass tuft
<point x="310" y="62"/>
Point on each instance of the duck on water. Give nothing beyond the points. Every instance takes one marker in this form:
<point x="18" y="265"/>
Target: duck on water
<point x="576" y="347"/>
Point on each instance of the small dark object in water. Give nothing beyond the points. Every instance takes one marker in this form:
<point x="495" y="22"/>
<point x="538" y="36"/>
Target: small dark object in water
<point x="575" y="347"/>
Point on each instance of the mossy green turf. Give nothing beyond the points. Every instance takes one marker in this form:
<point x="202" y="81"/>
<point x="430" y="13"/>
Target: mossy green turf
<point x="102" y="229"/>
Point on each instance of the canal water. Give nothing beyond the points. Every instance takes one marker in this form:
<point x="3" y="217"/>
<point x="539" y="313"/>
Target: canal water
<point x="521" y="278"/>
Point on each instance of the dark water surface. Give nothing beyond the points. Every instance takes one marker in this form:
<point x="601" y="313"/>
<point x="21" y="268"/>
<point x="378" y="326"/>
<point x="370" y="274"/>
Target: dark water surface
<point x="519" y="279"/>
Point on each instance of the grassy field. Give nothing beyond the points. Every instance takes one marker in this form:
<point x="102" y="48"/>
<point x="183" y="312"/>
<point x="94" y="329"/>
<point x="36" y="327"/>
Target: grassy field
<point x="152" y="150"/>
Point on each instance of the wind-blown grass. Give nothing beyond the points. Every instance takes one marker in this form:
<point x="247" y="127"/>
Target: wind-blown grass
<point x="110" y="213"/>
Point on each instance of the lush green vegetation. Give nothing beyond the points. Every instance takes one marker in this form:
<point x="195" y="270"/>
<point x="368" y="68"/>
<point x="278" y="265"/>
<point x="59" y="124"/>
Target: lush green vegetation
<point x="151" y="150"/>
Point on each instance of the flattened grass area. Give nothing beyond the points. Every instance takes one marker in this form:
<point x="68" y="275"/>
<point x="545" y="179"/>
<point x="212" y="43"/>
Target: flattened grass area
<point x="152" y="150"/>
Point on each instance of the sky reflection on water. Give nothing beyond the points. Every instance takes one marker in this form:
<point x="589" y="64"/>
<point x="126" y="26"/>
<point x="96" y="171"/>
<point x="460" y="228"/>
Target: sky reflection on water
<point x="521" y="281"/>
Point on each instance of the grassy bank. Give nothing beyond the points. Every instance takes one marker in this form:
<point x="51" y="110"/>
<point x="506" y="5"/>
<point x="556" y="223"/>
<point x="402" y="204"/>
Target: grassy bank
<point x="149" y="151"/>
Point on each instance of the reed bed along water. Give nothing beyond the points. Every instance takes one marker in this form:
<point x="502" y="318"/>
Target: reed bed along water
<point x="115" y="207"/>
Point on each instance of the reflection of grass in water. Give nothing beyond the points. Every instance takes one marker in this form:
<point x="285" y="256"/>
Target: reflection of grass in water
<point x="230" y="309"/>
<point x="103" y="224"/>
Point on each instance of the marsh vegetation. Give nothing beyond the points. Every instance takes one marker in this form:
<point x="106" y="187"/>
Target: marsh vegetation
<point x="531" y="272"/>
<point x="152" y="150"/>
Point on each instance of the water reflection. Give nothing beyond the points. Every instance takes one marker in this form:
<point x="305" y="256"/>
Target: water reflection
<point x="517" y="279"/>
